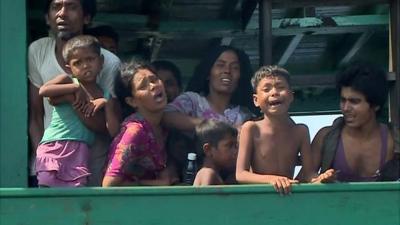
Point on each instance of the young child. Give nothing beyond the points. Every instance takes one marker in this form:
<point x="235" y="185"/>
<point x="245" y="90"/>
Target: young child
<point x="218" y="140"/>
<point x="137" y="154"/>
<point x="269" y="148"/>
<point x="63" y="152"/>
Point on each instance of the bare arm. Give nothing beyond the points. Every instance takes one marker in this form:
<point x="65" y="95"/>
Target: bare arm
<point x="244" y="175"/>
<point x="95" y="123"/>
<point x="316" y="151"/>
<point x="316" y="148"/>
<point x="246" y="147"/>
<point x="58" y="86"/>
<point x="36" y="113"/>
<point x="180" y="121"/>
<point x="166" y="177"/>
<point x="113" y="116"/>
<point x="109" y="181"/>
<point x="305" y="152"/>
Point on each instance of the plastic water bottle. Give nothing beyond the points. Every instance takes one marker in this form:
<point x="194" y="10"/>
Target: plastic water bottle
<point x="191" y="169"/>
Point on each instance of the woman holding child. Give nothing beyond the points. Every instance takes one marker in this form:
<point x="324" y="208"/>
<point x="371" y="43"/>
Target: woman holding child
<point x="219" y="90"/>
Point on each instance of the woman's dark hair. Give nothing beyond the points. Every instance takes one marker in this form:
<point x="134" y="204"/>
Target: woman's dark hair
<point x="367" y="79"/>
<point x="123" y="82"/>
<point x="199" y="82"/>
<point x="89" y="7"/>
<point x="167" y="65"/>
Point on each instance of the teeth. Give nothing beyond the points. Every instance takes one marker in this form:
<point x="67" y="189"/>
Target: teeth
<point x="226" y="80"/>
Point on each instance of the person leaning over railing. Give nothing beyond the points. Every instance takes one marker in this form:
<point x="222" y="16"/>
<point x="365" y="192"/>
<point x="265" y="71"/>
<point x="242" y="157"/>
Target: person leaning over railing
<point x="357" y="146"/>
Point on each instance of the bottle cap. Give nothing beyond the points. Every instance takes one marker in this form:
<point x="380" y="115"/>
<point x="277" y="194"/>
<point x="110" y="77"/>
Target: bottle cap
<point x="192" y="156"/>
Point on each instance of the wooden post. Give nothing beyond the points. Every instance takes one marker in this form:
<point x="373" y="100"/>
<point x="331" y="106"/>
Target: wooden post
<point x="265" y="29"/>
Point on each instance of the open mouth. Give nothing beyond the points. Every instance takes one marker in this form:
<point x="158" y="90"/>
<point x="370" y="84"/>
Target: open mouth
<point x="159" y="97"/>
<point x="62" y="25"/>
<point x="349" y="117"/>
<point x="275" y="103"/>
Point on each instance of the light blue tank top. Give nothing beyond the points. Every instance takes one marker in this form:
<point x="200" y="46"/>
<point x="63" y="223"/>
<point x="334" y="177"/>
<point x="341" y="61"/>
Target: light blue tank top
<point x="66" y="125"/>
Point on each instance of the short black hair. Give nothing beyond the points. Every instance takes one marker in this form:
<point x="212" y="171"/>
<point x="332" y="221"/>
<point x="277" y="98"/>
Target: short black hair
<point x="366" y="78"/>
<point x="170" y="66"/>
<point x="89" y="7"/>
<point x="266" y="71"/>
<point x="103" y="30"/>
<point x="212" y="132"/>
<point x="80" y="41"/>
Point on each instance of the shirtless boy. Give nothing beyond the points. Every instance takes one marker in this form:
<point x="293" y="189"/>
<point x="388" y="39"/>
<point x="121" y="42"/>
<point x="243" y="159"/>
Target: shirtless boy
<point x="268" y="148"/>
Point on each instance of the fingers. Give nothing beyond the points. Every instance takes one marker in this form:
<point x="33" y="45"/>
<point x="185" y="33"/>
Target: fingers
<point x="284" y="185"/>
<point x="328" y="176"/>
<point x="89" y="108"/>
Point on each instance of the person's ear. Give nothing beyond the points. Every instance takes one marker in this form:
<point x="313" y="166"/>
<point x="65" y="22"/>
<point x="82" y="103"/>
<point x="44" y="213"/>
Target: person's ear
<point x="68" y="70"/>
<point x="131" y="102"/>
<point x="207" y="149"/>
<point x="255" y="100"/>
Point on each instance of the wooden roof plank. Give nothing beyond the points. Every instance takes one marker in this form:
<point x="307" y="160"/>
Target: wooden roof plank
<point x="364" y="37"/>
<point x="290" y="49"/>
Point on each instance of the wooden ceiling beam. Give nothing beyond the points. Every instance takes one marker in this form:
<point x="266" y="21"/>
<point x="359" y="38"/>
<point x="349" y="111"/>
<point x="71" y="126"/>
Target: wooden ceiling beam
<point x="360" y="42"/>
<point x="248" y="7"/>
<point x="290" y="49"/>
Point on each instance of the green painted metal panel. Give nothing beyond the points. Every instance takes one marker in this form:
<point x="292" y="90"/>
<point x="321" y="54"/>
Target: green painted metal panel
<point x="13" y="94"/>
<point x="331" y="204"/>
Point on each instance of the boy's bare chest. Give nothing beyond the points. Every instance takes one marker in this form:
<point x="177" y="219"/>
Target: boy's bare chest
<point x="281" y="145"/>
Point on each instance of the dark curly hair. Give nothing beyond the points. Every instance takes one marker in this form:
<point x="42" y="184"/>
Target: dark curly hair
<point x="367" y="79"/>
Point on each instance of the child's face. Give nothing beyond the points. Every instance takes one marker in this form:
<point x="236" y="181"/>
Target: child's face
<point x="85" y="64"/>
<point x="225" y="73"/>
<point x="225" y="154"/>
<point x="170" y="84"/>
<point x="148" y="92"/>
<point x="273" y="95"/>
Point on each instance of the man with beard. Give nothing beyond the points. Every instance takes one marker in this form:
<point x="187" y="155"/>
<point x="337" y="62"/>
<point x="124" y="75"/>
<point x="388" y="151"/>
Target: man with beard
<point x="66" y="19"/>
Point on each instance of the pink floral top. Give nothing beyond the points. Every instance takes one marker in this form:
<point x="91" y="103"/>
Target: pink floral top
<point x="135" y="153"/>
<point x="193" y="104"/>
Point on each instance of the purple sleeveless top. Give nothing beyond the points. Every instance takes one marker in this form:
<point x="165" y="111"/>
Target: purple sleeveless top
<point x="346" y="174"/>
